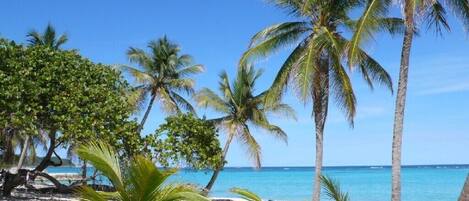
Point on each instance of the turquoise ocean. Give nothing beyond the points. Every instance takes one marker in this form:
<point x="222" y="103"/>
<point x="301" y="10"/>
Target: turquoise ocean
<point x="364" y="183"/>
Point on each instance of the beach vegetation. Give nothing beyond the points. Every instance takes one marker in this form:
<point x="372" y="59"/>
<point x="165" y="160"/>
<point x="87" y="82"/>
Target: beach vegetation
<point x="186" y="140"/>
<point x="63" y="96"/>
<point x="139" y="179"/>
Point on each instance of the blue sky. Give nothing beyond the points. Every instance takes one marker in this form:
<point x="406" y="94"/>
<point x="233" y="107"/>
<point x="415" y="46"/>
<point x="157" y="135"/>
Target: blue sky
<point x="216" y="33"/>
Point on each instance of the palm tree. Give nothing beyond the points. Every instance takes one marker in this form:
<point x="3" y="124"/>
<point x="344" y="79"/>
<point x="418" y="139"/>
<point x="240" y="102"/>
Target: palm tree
<point x="47" y="38"/>
<point x="241" y="108"/>
<point x="141" y="180"/>
<point x="433" y="14"/>
<point x="315" y="67"/>
<point x="465" y="191"/>
<point x="164" y="75"/>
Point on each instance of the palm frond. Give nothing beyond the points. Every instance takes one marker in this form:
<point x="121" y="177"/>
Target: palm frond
<point x="460" y="9"/>
<point x="246" y="194"/>
<point x="61" y="40"/>
<point x="366" y="25"/>
<point x="34" y="38"/>
<point x="145" y="179"/>
<point x="282" y="109"/>
<point x="305" y="71"/>
<point x="180" y="193"/>
<point x="139" y="56"/>
<point x="332" y="189"/>
<point x="89" y="194"/>
<point x="225" y="88"/>
<point x="280" y="83"/>
<point x="141" y="77"/>
<point x="294" y="7"/>
<point x="435" y="18"/>
<point x="207" y="98"/>
<point x="275" y="30"/>
<point x="104" y="158"/>
<point x="372" y="71"/>
<point x="191" y="70"/>
<point x="136" y="97"/>
<point x="343" y="91"/>
<point x="185" y="85"/>
<point x="168" y="104"/>
<point x="182" y="102"/>
<point x="391" y="25"/>
<point x="254" y="149"/>
<point x="269" y="45"/>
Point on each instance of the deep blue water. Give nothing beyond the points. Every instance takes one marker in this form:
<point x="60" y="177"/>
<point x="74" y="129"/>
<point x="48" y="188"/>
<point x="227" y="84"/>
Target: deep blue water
<point x="420" y="183"/>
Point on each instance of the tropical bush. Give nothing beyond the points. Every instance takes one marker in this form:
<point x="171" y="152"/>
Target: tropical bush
<point x="186" y="140"/>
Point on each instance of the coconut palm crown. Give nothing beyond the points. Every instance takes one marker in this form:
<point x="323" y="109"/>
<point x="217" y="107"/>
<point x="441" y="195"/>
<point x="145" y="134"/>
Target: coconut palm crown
<point x="47" y="38"/>
<point x="241" y="109"/>
<point x="162" y="75"/>
<point x="317" y="66"/>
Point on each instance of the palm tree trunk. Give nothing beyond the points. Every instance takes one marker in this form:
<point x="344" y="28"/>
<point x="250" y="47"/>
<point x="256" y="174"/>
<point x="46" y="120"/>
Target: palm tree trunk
<point x="320" y="104"/>
<point x="214" y="177"/>
<point x="400" y="103"/>
<point x="23" y="152"/>
<point x="465" y="191"/>
<point x="147" y="112"/>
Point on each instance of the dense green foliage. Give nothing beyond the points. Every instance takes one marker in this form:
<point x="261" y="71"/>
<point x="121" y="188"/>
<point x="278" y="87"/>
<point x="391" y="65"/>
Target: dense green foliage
<point x="187" y="139"/>
<point x="141" y="180"/>
<point x="64" y="95"/>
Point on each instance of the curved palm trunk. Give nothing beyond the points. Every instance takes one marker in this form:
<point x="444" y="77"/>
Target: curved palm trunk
<point x="23" y="152"/>
<point x="320" y="103"/>
<point x="147" y="112"/>
<point x="400" y="103"/>
<point x="216" y="172"/>
<point x="465" y="191"/>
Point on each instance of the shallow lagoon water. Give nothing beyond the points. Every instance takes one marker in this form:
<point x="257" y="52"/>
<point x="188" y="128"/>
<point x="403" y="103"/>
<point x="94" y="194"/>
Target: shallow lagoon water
<point x="367" y="183"/>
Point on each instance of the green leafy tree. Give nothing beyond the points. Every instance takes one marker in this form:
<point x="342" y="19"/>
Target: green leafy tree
<point x="162" y="75"/>
<point x="141" y="180"/>
<point x="240" y="108"/>
<point x="429" y="13"/>
<point x="187" y="140"/>
<point x="48" y="38"/>
<point x="315" y="68"/>
<point x="65" y="96"/>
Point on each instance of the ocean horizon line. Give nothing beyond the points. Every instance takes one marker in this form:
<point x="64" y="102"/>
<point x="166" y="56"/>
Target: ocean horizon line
<point x="357" y="166"/>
